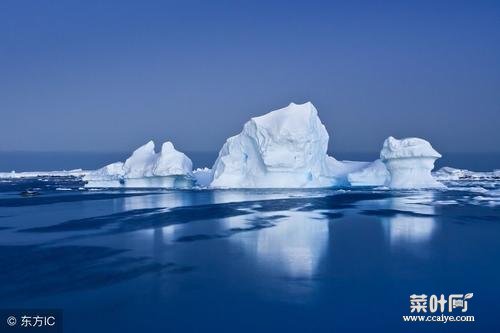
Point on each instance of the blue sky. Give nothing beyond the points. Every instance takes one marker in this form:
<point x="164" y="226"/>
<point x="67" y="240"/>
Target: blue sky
<point x="110" y="75"/>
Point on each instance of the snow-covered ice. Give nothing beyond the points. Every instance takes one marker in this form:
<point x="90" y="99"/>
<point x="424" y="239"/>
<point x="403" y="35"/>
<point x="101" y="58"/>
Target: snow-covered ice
<point x="288" y="148"/>
<point x="146" y="168"/>
<point x="141" y="163"/>
<point x="172" y="162"/>
<point x="409" y="162"/>
<point x="403" y="164"/>
<point x="285" y="148"/>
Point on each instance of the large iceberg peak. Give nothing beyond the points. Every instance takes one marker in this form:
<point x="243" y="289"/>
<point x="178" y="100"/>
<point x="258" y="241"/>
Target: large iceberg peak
<point x="283" y="148"/>
<point x="409" y="162"/>
<point x="296" y="121"/>
<point x="291" y="137"/>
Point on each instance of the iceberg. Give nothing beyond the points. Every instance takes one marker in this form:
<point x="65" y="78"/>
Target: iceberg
<point x="145" y="168"/>
<point x="285" y="148"/>
<point x="409" y="162"/>
<point x="403" y="164"/>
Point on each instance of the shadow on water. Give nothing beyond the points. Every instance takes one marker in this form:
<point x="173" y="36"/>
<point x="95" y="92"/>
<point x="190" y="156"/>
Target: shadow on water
<point x="30" y="271"/>
<point x="393" y="213"/>
<point x="139" y="219"/>
<point x="485" y="218"/>
<point x="54" y="199"/>
<point x="256" y="223"/>
<point x="332" y="215"/>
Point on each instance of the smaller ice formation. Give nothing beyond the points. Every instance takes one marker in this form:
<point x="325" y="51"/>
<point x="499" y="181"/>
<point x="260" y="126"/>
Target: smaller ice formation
<point x="285" y="148"/>
<point x="409" y="162"/>
<point x="447" y="173"/>
<point x="145" y="168"/>
<point x="403" y="164"/>
<point x="34" y="174"/>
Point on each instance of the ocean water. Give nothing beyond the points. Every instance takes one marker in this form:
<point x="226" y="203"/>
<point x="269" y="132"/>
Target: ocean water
<point x="318" y="260"/>
<point x="330" y="260"/>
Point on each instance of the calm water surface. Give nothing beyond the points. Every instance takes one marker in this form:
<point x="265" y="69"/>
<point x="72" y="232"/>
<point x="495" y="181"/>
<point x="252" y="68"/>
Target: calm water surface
<point x="248" y="260"/>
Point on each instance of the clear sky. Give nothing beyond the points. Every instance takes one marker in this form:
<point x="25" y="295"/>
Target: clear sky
<point x="110" y="75"/>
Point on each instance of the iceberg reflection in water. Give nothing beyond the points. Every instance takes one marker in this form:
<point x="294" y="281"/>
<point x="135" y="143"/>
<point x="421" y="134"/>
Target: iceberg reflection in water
<point x="293" y="247"/>
<point x="415" y="223"/>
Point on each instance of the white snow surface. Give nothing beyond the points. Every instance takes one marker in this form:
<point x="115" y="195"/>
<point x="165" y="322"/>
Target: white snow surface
<point x="172" y="162"/>
<point x="409" y="162"/>
<point x="141" y="163"/>
<point x="285" y="148"/>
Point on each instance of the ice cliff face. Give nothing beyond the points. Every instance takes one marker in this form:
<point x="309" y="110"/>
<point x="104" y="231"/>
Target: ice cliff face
<point x="283" y="148"/>
<point x="144" y="168"/>
<point x="409" y="162"/>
